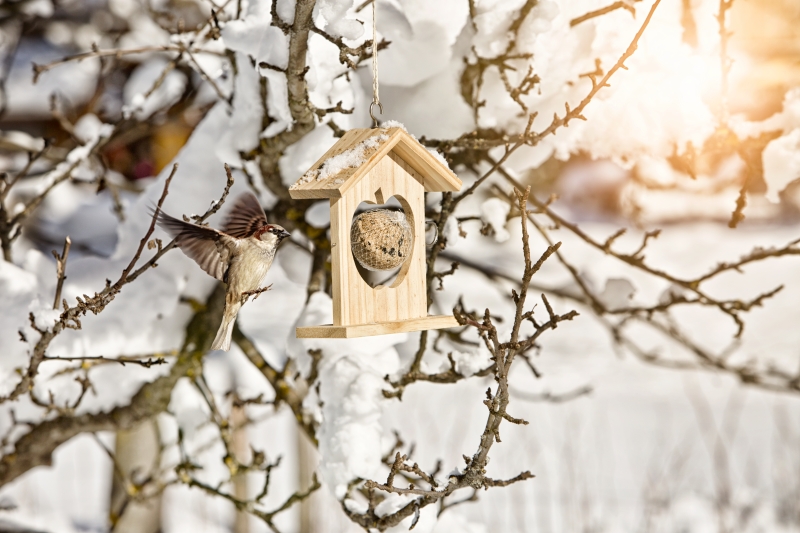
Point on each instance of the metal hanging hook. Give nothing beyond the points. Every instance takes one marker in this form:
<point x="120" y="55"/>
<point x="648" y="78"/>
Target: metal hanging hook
<point x="371" y="107"/>
<point x="435" y="239"/>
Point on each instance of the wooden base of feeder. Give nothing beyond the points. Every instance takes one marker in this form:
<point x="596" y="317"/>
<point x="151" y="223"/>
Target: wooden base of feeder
<point x="379" y="328"/>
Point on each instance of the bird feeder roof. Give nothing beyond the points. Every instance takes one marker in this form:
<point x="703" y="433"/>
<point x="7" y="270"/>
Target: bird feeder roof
<point x="359" y="150"/>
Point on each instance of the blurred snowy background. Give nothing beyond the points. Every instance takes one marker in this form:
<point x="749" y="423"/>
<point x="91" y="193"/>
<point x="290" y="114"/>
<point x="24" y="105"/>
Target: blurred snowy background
<point x="671" y="404"/>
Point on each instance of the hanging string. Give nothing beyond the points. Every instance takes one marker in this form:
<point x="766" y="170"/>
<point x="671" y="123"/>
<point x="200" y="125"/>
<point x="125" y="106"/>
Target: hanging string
<point x="376" y="99"/>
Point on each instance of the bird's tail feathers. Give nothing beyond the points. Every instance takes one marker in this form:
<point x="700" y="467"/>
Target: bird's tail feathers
<point x="223" y="339"/>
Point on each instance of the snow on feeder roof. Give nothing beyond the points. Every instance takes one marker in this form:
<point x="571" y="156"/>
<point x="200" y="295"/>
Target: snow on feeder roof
<point x="358" y="151"/>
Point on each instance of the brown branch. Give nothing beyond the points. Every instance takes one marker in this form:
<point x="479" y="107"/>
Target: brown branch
<point x="474" y="141"/>
<point x="271" y="149"/>
<point x="61" y="265"/>
<point x="731" y="308"/>
<point x="503" y="355"/>
<point x="36" y="447"/>
<point x="123" y="279"/>
<point x="121" y="360"/>
<point x="7" y="183"/>
<point x="321" y="113"/>
<point x="216" y="206"/>
<point x="771" y="379"/>
<point x="38" y="70"/>
<point x="363" y="4"/>
<point x="349" y="56"/>
<point x="267" y="517"/>
<point x="284" y="390"/>
<point x="602" y="11"/>
<point x="449" y="203"/>
<point x="551" y="397"/>
<point x="451" y="375"/>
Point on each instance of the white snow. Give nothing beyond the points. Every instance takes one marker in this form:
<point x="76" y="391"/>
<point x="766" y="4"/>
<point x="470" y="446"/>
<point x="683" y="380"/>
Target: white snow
<point x="351" y="419"/>
<point x="277" y="102"/>
<point x="299" y="157"/>
<point x="19" y="289"/>
<point x="351" y="158"/>
<point x="244" y="124"/>
<point x="416" y="59"/>
<point x="494" y="212"/>
<point x="78" y="164"/>
<point x="469" y="363"/>
<point x="393" y="124"/>
<point x="38" y="8"/>
<point x="74" y="83"/>
<point x="22" y="140"/>
<point x="781" y="163"/>
<point x="254" y="36"/>
<point x="89" y="129"/>
<point x="617" y="293"/>
<point x="438" y="156"/>
<point x="140" y="102"/>
<point x="44" y="316"/>
<point x="451" y="231"/>
<point x="334" y="13"/>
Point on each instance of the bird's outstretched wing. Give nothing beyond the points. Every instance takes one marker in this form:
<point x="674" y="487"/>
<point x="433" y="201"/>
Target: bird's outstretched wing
<point x="245" y="217"/>
<point x="208" y="247"/>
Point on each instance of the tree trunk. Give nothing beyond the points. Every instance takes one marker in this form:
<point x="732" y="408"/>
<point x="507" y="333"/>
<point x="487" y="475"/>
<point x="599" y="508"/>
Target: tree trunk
<point x="138" y="456"/>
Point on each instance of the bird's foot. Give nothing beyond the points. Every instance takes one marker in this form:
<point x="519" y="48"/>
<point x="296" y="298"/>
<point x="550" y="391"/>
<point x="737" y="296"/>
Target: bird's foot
<point x="254" y="293"/>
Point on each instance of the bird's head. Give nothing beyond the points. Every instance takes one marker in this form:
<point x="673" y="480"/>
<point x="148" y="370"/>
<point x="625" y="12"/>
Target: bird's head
<point x="272" y="233"/>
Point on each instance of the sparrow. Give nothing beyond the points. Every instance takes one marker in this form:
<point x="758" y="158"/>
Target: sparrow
<point x="239" y="254"/>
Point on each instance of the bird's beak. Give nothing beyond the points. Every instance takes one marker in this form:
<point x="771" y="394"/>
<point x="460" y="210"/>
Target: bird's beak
<point x="284" y="235"/>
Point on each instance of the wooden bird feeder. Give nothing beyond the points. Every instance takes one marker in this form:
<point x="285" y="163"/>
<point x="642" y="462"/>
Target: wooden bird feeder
<point x="373" y="165"/>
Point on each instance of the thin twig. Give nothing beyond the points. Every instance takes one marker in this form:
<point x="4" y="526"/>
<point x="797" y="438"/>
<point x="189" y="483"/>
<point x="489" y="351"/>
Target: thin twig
<point x="622" y="4"/>
<point x="61" y="267"/>
<point x="38" y="70"/>
<point x="122" y="360"/>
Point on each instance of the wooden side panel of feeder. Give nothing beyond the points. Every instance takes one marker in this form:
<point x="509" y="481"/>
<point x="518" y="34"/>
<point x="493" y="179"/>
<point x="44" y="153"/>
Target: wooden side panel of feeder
<point x="354" y="301"/>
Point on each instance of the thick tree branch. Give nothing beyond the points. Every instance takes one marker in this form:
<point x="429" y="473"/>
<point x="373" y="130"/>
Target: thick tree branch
<point x="36" y="447"/>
